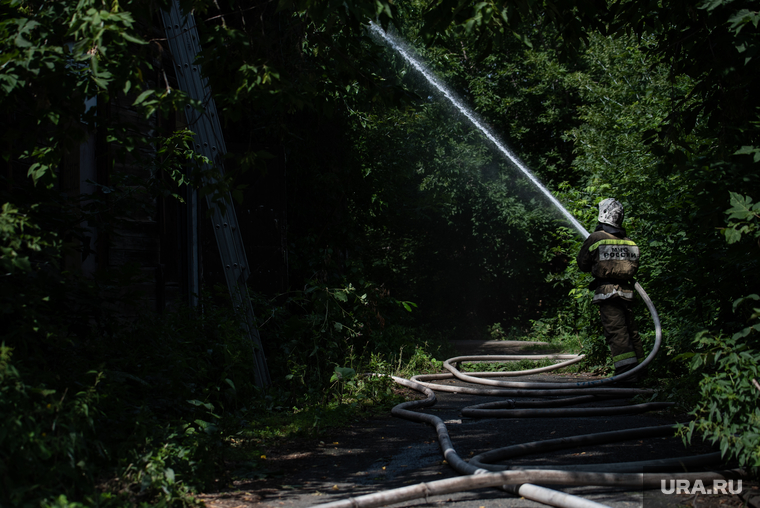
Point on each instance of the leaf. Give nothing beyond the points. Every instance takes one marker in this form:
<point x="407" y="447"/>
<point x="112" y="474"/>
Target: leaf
<point x="131" y="38"/>
<point x="208" y="428"/>
<point x="42" y="391"/>
<point x="343" y="373"/>
<point x="683" y="356"/>
<point x="408" y="305"/>
<point x="711" y="4"/>
<point x="732" y="235"/>
<point x="741" y="18"/>
<point x="21" y="42"/>
<point x="741" y="207"/>
<point x="9" y="82"/>
<point x="749" y="150"/>
<point x="141" y="98"/>
<point x="207" y="405"/>
<point x="743" y="299"/>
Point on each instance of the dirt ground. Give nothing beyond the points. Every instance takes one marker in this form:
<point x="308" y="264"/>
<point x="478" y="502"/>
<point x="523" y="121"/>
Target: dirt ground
<point x="386" y="452"/>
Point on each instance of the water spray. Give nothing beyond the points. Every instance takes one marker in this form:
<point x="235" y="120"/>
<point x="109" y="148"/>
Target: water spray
<point x="394" y="43"/>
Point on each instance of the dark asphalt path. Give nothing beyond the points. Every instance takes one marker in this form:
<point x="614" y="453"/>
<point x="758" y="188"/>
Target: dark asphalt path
<point x="387" y="453"/>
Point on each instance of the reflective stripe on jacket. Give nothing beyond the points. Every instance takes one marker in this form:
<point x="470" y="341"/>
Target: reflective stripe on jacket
<point x="613" y="260"/>
<point x="607" y="291"/>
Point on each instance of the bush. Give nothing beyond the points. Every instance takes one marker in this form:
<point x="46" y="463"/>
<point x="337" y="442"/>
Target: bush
<point x="728" y="411"/>
<point x="307" y="334"/>
<point x="47" y="439"/>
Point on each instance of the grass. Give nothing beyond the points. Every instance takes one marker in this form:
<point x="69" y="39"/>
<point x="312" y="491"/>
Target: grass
<point x="514" y="366"/>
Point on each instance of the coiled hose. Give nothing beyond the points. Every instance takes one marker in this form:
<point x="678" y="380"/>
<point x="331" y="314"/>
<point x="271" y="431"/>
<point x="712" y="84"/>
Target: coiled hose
<point x="482" y="470"/>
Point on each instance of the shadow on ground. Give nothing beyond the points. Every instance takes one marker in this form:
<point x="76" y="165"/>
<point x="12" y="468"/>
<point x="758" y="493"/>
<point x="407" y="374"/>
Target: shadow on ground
<point x="385" y="453"/>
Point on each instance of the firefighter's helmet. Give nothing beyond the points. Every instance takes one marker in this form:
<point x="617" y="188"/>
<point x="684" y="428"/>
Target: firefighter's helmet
<point x="611" y="212"/>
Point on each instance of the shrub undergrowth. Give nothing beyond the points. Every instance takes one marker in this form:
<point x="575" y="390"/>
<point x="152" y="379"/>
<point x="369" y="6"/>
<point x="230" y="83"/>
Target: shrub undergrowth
<point x="173" y="401"/>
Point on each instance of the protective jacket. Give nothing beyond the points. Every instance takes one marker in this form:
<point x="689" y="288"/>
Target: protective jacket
<point x="613" y="259"/>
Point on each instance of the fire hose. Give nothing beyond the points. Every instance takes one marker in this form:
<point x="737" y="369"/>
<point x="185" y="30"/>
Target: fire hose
<point x="484" y="471"/>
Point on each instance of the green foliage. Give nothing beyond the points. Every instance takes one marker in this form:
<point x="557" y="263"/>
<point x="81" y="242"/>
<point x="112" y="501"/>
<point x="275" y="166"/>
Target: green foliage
<point x="175" y="393"/>
<point x="496" y="332"/>
<point x="741" y="218"/>
<point x="19" y="239"/>
<point x="326" y="335"/>
<point x="48" y="438"/>
<point x="55" y="57"/>
<point x="384" y="184"/>
<point x="158" y="446"/>
<point x="177" y="165"/>
<point x="727" y="411"/>
<point x="421" y="362"/>
<point x="491" y="21"/>
<point x="173" y="388"/>
<point x="170" y="465"/>
<point x="511" y="366"/>
<point x="467" y="270"/>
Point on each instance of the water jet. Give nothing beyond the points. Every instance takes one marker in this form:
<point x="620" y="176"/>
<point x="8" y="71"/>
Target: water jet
<point x="399" y="48"/>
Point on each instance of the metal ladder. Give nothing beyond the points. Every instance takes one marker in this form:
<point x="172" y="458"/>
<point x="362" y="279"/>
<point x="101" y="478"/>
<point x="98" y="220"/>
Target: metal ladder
<point x="182" y="36"/>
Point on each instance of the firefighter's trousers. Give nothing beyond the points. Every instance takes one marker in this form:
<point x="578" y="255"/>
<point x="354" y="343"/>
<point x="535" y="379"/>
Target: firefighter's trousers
<point x="621" y="333"/>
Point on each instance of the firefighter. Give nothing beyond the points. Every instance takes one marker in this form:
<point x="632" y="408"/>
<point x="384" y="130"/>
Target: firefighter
<point x="613" y="259"/>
